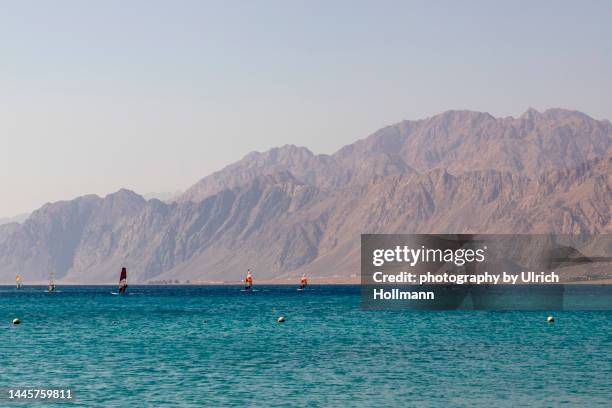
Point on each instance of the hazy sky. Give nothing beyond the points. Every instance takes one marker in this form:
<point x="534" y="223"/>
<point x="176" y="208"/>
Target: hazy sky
<point x="154" y="95"/>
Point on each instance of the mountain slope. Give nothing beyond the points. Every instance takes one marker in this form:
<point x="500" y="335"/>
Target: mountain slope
<point x="458" y="141"/>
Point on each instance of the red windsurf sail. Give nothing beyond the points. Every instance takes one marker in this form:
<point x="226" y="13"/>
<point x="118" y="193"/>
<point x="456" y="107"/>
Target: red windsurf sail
<point x="123" y="281"/>
<point x="123" y="276"/>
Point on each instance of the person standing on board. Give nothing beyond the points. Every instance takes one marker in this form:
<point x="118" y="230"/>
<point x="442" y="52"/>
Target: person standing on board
<point x="248" y="281"/>
<point x="123" y="281"/>
<point x="303" y="281"/>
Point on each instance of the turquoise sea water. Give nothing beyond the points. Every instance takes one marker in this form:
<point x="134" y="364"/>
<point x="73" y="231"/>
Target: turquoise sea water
<point x="218" y="346"/>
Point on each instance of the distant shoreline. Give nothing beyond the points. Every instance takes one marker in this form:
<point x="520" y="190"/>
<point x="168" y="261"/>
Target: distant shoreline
<point x="182" y="284"/>
<point x="275" y="283"/>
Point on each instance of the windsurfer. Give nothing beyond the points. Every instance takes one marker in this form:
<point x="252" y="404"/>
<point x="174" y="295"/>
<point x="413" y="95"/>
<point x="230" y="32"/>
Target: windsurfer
<point x="303" y="281"/>
<point x="248" y="281"/>
<point x="123" y="281"/>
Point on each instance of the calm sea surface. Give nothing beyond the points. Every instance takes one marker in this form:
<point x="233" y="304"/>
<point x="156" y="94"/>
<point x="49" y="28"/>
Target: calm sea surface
<point x="218" y="346"/>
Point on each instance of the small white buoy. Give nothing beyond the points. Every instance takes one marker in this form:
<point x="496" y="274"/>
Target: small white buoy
<point x="16" y="321"/>
<point x="281" y="319"/>
<point x="550" y="319"/>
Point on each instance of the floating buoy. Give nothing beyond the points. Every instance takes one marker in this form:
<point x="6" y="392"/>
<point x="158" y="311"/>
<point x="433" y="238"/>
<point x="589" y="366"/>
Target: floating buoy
<point x="281" y="319"/>
<point x="16" y="321"/>
<point x="550" y="319"/>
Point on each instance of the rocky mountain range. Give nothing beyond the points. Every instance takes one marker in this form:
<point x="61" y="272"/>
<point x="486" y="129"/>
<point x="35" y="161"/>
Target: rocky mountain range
<point x="288" y="211"/>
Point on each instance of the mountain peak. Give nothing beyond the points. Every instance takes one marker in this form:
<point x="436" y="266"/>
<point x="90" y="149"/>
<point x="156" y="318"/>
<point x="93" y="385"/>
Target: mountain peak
<point x="123" y="192"/>
<point x="279" y="153"/>
<point x="560" y="113"/>
<point x="299" y="161"/>
<point x="555" y="114"/>
<point x="462" y="114"/>
<point x="530" y="113"/>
